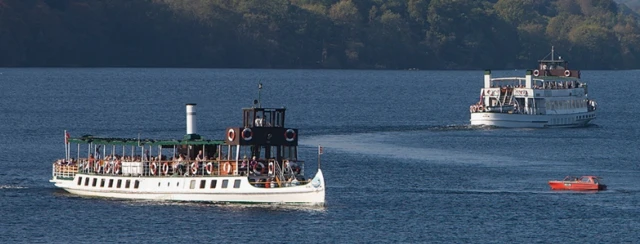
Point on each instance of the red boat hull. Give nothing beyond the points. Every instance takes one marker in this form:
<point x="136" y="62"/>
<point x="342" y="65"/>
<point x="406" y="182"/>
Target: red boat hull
<point x="576" y="186"/>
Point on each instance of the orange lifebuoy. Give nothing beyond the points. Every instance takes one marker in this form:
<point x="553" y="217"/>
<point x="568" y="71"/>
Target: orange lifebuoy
<point x="209" y="168"/>
<point x="194" y="168"/>
<point x="152" y="168"/>
<point x="290" y="135"/>
<point x="165" y="168"/>
<point x="247" y="134"/>
<point x="536" y="73"/>
<point x="567" y="73"/>
<point x="231" y="135"/>
<point x="227" y="168"/>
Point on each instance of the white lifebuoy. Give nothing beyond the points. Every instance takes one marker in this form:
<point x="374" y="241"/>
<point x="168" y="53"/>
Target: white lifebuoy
<point x="271" y="168"/>
<point x="290" y="135"/>
<point x="116" y="168"/>
<point x="262" y="168"/>
<point x="165" y="168"/>
<point x="536" y="73"/>
<point x="96" y="167"/>
<point x="227" y="168"/>
<point x="247" y="134"/>
<point x="473" y="109"/>
<point x="231" y="135"/>
<point x="567" y="73"/>
<point x="209" y="168"/>
<point x="108" y="167"/>
<point x="152" y="168"/>
<point x="194" y="168"/>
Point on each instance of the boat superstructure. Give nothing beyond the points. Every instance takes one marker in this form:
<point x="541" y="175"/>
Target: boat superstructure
<point x="256" y="162"/>
<point x="550" y="96"/>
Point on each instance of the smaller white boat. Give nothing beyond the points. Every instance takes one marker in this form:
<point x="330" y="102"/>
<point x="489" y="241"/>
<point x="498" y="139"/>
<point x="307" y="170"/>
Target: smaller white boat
<point x="550" y="96"/>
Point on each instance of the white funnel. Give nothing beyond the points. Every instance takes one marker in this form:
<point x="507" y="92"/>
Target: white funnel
<point x="191" y="118"/>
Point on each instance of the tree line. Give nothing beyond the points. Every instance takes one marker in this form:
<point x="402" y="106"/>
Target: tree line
<point x="343" y="34"/>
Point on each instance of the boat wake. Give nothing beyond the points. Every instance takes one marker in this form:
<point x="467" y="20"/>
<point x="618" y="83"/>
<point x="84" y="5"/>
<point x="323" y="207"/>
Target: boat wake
<point x="375" y="146"/>
<point x="12" y="187"/>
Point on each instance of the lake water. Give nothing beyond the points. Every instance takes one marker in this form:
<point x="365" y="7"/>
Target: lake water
<point x="401" y="162"/>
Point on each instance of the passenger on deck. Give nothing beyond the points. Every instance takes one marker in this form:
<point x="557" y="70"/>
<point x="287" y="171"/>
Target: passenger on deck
<point x="200" y="156"/>
<point x="258" y="122"/>
<point x="244" y="165"/>
<point x="254" y="163"/>
<point x="177" y="165"/>
<point x="92" y="160"/>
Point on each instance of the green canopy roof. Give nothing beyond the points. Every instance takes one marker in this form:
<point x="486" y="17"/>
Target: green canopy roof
<point x="142" y="142"/>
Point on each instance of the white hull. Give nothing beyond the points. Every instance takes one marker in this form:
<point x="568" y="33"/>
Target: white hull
<point x="197" y="189"/>
<point x="532" y="121"/>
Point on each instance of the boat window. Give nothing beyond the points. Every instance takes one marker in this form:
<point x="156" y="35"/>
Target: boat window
<point x="193" y="184"/>
<point x="119" y="184"/>
<point x="127" y="184"/>
<point x="584" y="179"/>
<point x="79" y="180"/>
<point x="110" y="183"/>
<point x="213" y="184"/>
<point x="203" y="183"/>
<point x="236" y="184"/>
<point x="136" y="184"/>
<point x="102" y="182"/>
<point x="225" y="183"/>
<point x="86" y="181"/>
<point x="95" y="182"/>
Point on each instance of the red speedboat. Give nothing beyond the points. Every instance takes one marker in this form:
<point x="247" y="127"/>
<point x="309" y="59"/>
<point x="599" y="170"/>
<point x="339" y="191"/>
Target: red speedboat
<point x="584" y="183"/>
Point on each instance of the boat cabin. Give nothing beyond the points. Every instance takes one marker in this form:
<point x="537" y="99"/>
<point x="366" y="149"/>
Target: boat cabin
<point x="554" y="67"/>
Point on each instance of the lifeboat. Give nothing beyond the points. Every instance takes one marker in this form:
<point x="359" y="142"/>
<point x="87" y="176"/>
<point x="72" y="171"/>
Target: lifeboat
<point x="584" y="183"/>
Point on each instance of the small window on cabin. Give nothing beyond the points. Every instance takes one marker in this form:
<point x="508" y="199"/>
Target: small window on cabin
<point x="225" y="183"/>
<point x="119" y="184"/>
<point x="127" y="184"/>
<point x="213" y="184"/>
<point x="203" y="183"/>
<point x="193" y="184"/>
<point x="136" y="184"/>
<point x="95" y="182"/>
<point x="236" y="184"/>
<point x="86" y="181"/>
<point x="102" y="181"/>
<point x="110" y="183"/>
<point x="80" y="180"/>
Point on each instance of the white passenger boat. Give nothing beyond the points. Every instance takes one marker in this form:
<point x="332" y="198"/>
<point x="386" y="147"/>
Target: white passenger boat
<point x="255" y="163"/>
<point x="550" y="96"/>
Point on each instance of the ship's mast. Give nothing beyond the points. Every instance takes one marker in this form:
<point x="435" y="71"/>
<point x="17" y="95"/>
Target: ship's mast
<point x="552" y="54"/>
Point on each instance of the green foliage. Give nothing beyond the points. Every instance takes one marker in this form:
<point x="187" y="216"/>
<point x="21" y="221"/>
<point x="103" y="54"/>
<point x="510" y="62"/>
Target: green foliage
<point x="372" y="34"/>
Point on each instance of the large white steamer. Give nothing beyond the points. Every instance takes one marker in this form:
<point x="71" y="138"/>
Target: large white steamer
<point x="255" y="163"/>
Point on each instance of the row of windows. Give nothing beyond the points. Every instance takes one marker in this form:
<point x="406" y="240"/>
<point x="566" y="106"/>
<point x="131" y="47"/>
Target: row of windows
<point x="94" y="183"/>
<point x="136" y="184"/>
<point x="566" y="104"/>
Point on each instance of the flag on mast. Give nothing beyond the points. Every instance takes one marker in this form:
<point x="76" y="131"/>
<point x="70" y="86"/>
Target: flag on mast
<point x="66" y="137"/>
<point x="320" y="149"/>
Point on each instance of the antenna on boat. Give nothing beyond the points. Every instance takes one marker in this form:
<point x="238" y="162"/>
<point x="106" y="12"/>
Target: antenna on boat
<point x="320" y="151"/>
<point x="259" y="90"/>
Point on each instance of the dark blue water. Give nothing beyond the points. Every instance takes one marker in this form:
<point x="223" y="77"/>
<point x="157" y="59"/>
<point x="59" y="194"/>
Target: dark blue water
<point x="401" y="162"/>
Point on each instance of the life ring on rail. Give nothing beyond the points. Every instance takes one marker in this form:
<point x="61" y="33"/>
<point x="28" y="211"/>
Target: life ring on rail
<point x="271" y="168"/>
<point x="259" y="168"/>
<point x="96" y="167"/>
<point x="108" y="167"/>
<point x="231" y="135"/>
<point x="152" y="168"/>
<point x="290" y="135"/>
<point x="247" y="134"/>
<point x="209" y="168"/>
<point x="536" y="73"/>
<point x="227" y="168"/>
<point x="470" y="109"/>
<point x="567" y="73"/>
<point x="165" y="168"/>
<point x="116" y="168"/>
<point x="194" y="168"/>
